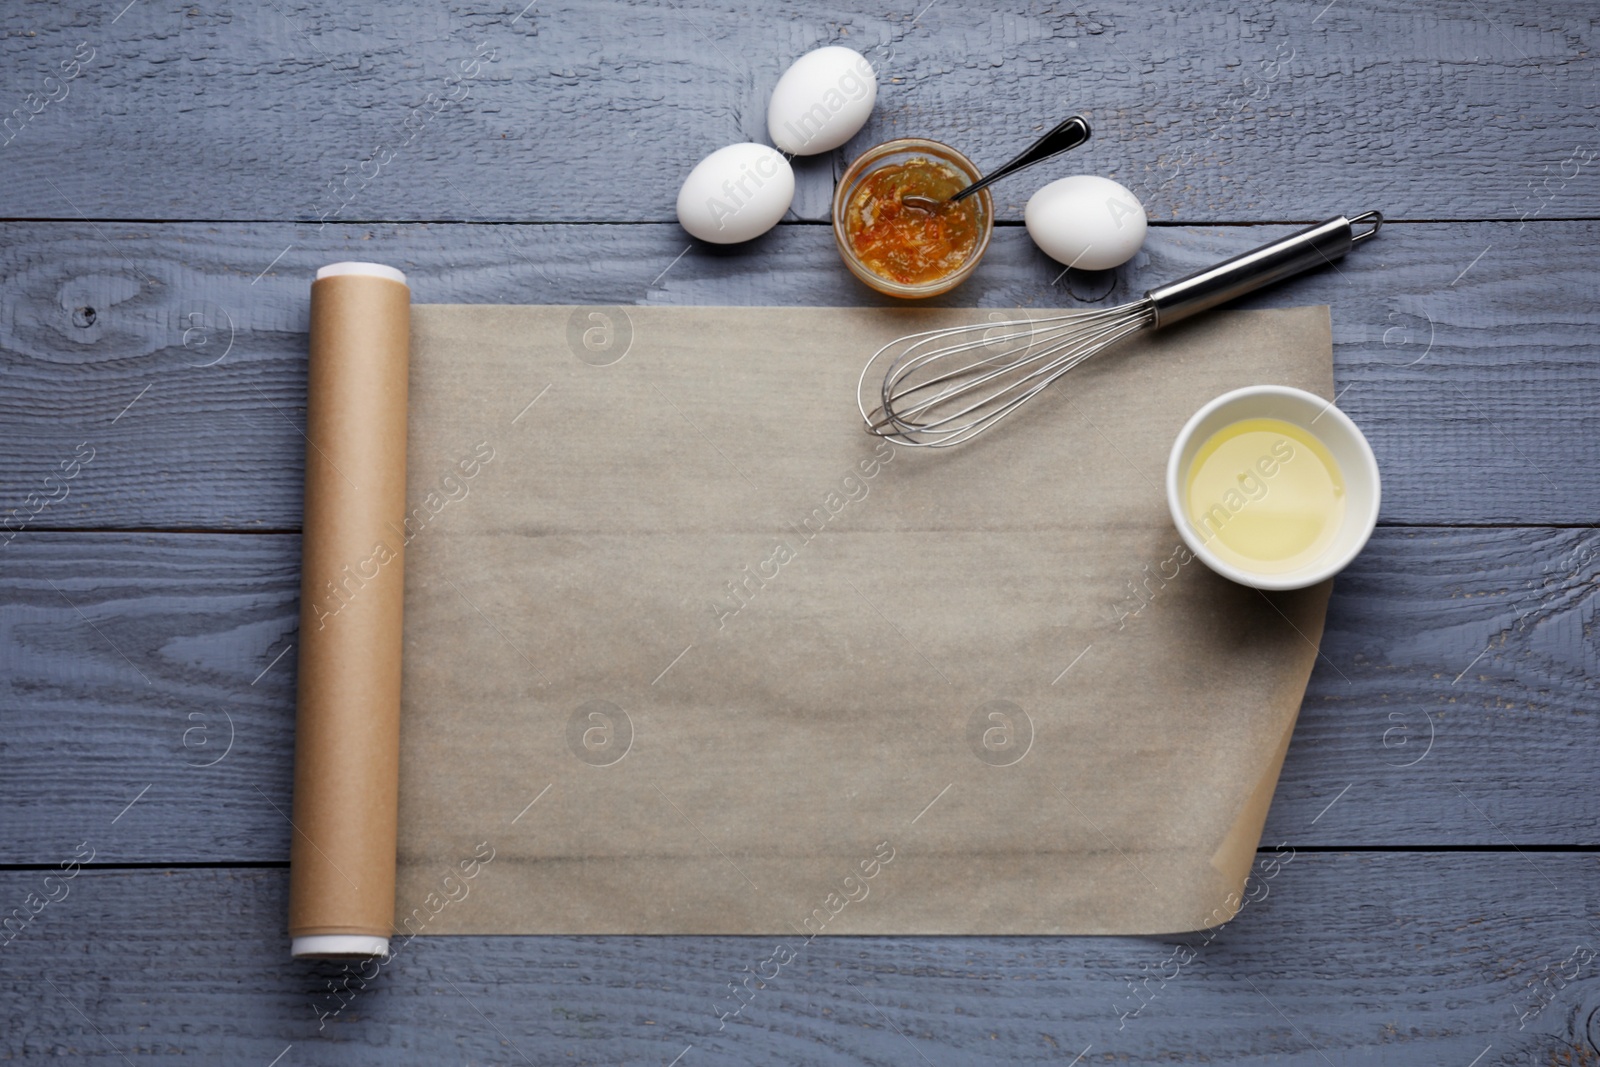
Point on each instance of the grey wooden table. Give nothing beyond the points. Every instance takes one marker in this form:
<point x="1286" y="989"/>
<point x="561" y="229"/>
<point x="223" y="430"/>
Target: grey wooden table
<point x="172" y="173"/>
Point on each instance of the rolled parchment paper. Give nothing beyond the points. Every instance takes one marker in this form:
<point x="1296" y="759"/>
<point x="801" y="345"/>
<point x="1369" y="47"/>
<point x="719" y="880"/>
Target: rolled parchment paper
<point x="347" y="726"/>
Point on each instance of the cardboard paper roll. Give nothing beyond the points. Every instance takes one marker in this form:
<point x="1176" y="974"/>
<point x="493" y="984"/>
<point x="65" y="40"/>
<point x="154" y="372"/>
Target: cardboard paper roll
<point x="347" y="728"/>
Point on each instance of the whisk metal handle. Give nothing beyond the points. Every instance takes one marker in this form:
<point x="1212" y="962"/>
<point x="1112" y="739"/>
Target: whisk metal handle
<point x="1299" y="252"/>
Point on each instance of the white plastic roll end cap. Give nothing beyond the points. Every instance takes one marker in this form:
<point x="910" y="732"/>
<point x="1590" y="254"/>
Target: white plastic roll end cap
<point x="371" y="270"/>
<point x="338" y="946"/>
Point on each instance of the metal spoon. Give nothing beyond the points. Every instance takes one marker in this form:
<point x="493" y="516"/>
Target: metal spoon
<point x="1070" y="134"/>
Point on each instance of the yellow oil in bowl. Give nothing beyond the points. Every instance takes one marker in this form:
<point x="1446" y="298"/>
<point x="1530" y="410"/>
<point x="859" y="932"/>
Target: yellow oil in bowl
<point x="1265" y="495"/>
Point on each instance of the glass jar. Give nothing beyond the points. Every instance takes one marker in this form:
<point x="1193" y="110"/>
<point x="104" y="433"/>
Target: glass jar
<point x="892" y="153"/>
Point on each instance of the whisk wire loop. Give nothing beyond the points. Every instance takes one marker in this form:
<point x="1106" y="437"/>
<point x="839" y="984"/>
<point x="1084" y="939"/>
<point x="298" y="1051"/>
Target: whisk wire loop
<point x="943" y="386"/>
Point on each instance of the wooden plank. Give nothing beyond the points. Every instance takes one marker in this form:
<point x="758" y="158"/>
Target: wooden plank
<point x="1453" y="704"/>
<point x="1339" y="960"/>
<point x="161" y="658"/>
<point x="578" y="111"/>
<point x="177" y="352"/>
<point x="1442" y="648"/>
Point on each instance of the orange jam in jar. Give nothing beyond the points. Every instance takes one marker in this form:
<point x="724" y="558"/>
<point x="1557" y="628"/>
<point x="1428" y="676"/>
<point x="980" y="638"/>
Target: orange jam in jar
<point x="908" y="245"/>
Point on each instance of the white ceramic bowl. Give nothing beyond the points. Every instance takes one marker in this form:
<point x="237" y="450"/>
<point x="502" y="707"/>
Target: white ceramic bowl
<point x="1317" y="417"/>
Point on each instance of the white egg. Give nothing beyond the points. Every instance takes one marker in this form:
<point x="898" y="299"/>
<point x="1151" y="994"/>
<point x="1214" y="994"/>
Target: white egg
<point x="1087" y="222"/>
<point x="821" y="101"/>
<point x="736" y="193"/>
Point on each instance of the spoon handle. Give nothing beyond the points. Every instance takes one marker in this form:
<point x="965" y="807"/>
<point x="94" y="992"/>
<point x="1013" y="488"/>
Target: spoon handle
<point x="1070" y="134"/>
